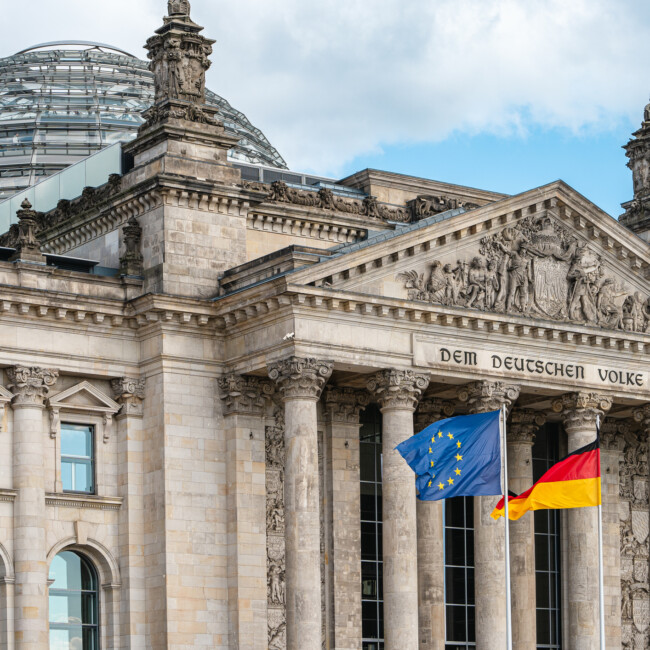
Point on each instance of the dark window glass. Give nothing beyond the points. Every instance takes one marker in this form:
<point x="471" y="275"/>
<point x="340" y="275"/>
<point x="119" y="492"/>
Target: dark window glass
<point x="547" y="547"/>
<point x="74" y="603"/>
<point x="77" y="458"/>
<point x="459" y="573"/>
<point x="371" y="532"/>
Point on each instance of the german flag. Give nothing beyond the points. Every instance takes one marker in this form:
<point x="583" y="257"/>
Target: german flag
<point x="573" y="482"/>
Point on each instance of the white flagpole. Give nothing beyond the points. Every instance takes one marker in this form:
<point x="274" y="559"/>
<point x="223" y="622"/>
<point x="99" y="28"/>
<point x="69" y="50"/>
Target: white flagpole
<point x="507" y="519"/>
<point x="601" y="578"/>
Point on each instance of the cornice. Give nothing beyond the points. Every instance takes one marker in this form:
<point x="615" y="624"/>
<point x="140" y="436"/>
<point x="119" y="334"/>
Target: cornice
<point x="8" y="496"/>
<point x="82" y="501"/>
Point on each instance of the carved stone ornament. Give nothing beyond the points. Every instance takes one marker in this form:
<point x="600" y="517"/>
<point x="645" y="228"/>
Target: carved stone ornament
<point x="485" y="396"/>
<point x="345" y="404"/>
<point x="581" y="410"/>
<point x="537" y="268"/>
<point x="612" y="434"/>
<point x="431" y="410"/>
<point x="523" y="425"/>
<point x="398" y="389"/>
<point x="427" y="206"/>
<point x="642" y="415"/>
<point x="129" y="393"/>
<point x="31" y="386"/>
<point x="178" y="8"/>
<point x="244" y="395"/>
<point x="131" y="263"/>
<point x="28" y="247"/>
<point x="298" y="378"/>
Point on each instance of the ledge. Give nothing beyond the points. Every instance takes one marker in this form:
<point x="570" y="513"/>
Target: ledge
<point x="82" y="501"/>
<point x="7" y="496"/>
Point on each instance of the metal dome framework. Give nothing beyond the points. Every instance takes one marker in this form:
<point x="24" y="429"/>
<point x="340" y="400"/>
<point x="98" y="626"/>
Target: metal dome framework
<point x="60" y="105"/>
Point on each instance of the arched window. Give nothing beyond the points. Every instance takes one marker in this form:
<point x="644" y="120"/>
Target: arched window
<point x="74" y="603"/>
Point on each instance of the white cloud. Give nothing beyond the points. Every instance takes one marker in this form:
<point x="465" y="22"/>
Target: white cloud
<point x="327" y="80"/>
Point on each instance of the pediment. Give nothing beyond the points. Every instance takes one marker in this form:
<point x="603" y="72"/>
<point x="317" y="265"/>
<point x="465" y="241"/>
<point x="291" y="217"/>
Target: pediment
<point x="546" y="254"/>
<point x="83" y="397"/>
<point x="5" y="395"/>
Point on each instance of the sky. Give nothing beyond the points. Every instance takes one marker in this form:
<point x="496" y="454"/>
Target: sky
<point x="504" y="95"/>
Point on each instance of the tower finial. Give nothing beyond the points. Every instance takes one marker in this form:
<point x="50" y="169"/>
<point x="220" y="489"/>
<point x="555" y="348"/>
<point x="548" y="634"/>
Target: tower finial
<point x="178" y="8"/>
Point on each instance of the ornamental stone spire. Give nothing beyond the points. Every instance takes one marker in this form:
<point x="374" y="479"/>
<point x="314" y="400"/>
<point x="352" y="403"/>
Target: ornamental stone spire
<point x="28" y="248"/>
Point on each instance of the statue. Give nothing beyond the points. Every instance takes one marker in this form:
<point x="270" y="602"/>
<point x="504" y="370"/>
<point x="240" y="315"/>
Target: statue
<point x="519" y="279"/>
<point x="477" y="282"/>
<point x="178" y="8"/>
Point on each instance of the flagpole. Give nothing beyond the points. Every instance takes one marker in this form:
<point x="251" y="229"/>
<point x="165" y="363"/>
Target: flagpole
<point x="601" y="577"/>
<point x="507" y="519"/>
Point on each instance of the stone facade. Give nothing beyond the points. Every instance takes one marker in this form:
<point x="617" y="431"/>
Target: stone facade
<point x="225" y="366"/>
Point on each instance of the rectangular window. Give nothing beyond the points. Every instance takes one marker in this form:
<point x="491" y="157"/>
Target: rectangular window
<point x="78" y="458"/>
<point x="372" y="598"/>
<point x="459" y="573"/>
<point x="547" y="547"/>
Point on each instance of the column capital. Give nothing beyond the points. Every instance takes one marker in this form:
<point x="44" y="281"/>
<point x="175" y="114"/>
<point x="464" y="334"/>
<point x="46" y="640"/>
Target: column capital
<point x="432" y="409"/>
<point x="343" y="405"/>
<point x="485" y="396"/>
<point x="642" y="415"/>
<point x="299" y="378"/>
<point x="129" y="392"/>
<point x="581" y="410"/>
<point x="398" y="389"/>
<point x="244" y="395"/>
<point x="524" y="424"/>
<point x="31" y="385"/>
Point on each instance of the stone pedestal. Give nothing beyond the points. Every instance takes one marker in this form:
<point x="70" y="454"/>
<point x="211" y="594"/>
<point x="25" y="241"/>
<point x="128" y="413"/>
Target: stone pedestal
<point x="431" y="549"/>
<point x="489" y="535"/>
<point x="300" y="382"/>
<point x="521" y="435"/>
<point x="398" y="392"/>
<point x="129" y="393"/>
<point x="343" y="513"/>
<point x="30" y="387"/>
<point x="580" y="412"/>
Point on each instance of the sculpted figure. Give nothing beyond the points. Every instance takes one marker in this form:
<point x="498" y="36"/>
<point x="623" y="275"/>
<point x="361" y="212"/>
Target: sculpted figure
<point x="491" y="285"/>
<point x="477" y="283"/>
<point x="437" y="283"/>
<point x="276" y="588"/>
<point x="633" y="313"/>
<point x="276" y="637"/>
<point x="609" y="313"/>
<point x="519" y="278"/>
<point x="582" y="301"/>
<point x="174" y="68"/>
<point x="452" y="290"/>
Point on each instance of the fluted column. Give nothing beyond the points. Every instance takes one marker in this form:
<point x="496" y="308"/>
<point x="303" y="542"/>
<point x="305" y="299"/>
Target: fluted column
<point x="129" y="393"/>
<point x="342" y="407"/>
<point x="398" y="392"/>
<point x="521" y="436"/>
<point x="431" y="545"/>
<point x="30" y="387"/>
<point x="244" y="401"/>
<point x="579" y="413"/>
<point x="300" y="382"/>
<point x="489" y="535"/>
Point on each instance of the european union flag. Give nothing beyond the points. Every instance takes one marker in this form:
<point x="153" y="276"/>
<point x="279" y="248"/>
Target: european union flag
<point x="459" y="456"/>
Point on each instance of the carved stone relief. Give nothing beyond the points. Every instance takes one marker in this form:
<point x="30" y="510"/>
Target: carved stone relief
<point x="426" y="206"/>
<point x="275" y="549"/>
<point x="635" y="542"/>
<point x="538" y="268"/>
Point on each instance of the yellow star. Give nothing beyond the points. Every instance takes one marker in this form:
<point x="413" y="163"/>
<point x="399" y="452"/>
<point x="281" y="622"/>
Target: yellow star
<point x="441" y="486"/>
<point x="430" y="483"/>
<point x="450" y="481"/>
<point x="433" y="438"/>
<point x="458" y="444"/>
<point x="439" y="434"/>
<point x="457" y="471"/>
<point x="430" y="450"/>
<point x="450" y="436"/>
<point x="431" y="463"/>
<point x="459" y="457"/>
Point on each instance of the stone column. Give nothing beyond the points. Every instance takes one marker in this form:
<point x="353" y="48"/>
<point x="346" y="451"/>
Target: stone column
<point x="341" y="410"/>
<point x="579" y="414"/>
<point x="300" y="382"/>
<point x="398" y="392"/>
<point x="244" y="401"/>
<point x="521" y="435"/>
<point x="129" y="393"/>
<point x="30" y="386"/>
<point x="431" y="545"/>
<point x="489" y="535"/>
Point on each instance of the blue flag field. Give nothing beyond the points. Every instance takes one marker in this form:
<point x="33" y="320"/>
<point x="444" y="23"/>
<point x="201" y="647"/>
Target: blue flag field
<point x="459" y="456"/>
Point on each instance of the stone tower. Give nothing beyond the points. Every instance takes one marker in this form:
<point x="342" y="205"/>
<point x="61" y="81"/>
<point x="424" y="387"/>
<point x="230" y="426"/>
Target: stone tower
<point x="195" y="224"/>
<point x="637" y="211"/>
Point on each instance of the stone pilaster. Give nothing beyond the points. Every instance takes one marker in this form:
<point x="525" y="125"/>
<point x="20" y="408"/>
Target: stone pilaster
<point x="431" y="550"/>
<point x="489" y="535"/>
<point x="580" y="412"/>
<point x="342" y="407"/>
<point x="398" y="392"/>
<point x="30" y="387"/>
<point x="521" y="436"/>
<point x="300" y="382"/>
<point x="244" y="401"/>
<point x="129" y="393"/>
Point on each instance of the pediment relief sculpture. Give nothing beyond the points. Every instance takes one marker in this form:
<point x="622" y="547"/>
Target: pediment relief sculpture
<point x="534" y="268"/>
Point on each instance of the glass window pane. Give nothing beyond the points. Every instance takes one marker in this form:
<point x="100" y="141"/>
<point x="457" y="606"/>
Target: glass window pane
<point x="66" y="475"/>
<point x="456" y="623"/>
<point x="83" y="477"/>
<point x="76" y="441"/>
<point x="455" y="586"/>
<point x="455" y="547"/>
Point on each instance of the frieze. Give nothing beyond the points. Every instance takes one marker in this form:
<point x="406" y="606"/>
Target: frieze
<point x="534" y="268"/>
<point x="427" y="206"/>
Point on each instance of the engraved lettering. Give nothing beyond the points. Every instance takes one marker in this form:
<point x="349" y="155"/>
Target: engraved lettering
<point x="496" y="361"/>
<point x="471" y="359"/>
<point x="445" y="355"/>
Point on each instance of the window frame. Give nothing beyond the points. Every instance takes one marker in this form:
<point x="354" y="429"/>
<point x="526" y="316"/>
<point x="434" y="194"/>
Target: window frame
<point x="92" y="461"/>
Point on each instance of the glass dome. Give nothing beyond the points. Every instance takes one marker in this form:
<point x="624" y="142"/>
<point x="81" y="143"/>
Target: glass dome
<point x="60" y="102"/>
